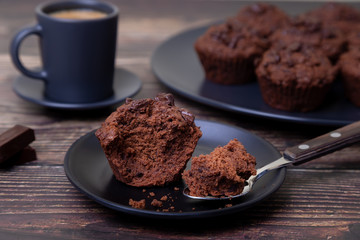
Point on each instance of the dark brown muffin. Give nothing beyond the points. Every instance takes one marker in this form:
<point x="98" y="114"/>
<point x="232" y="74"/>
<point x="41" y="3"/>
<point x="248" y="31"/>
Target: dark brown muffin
<point x="313" y="32"/>
<point x="349" y="64"/>
<point x="295" y="77"/>
<point x="228" y="56"/>
<point x="262" y="18"/>
<point x="149" y="141"/>
<point x="353" y="39"/>
<point x="342" y="16"/>
<point x="223" y="172"/>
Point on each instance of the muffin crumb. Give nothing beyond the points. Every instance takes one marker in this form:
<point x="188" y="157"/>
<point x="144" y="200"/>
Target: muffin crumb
<point x="156" y="203"/>
<point x="137" y="204"/>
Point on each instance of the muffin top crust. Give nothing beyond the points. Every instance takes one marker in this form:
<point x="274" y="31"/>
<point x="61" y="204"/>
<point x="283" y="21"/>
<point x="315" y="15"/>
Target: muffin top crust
<point x="297" y="64"/>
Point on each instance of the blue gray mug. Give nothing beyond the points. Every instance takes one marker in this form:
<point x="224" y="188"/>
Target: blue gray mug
<point x="78" y="56"/>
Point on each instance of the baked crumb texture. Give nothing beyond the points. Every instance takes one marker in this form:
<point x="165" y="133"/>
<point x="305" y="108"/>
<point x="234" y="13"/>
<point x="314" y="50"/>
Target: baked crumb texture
<point x="295" y="77"/>
<point x="156" y="203"/>
<point x="223" y="172"/>
<point x="227" y="51"/>
<point x="342" y="16"/>
<point x="137" y="204"/>
<point x="149" y="141"/>
<point x="349" y="66"/>
<point x="164" y="203"/>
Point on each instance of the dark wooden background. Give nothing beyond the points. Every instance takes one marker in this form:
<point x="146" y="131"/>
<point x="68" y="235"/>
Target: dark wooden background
<point x="318" y="200"/>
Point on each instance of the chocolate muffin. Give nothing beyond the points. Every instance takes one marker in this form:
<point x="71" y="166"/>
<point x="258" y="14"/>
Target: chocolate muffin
<point x="353" y="39"/>
<point x="262" y="18"/>
<point x="148" y="142"/>
<point x="295" y="77"/>
<point x="223" y="172"/>
<point x="313" y="32"/>
<point x="349" y="64"/>
<point x="227" y="56"/>
<point x="341" y="16"/>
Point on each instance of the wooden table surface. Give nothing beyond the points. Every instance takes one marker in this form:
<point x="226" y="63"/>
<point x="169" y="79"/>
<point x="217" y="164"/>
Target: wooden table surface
<point x="318" y="200"/>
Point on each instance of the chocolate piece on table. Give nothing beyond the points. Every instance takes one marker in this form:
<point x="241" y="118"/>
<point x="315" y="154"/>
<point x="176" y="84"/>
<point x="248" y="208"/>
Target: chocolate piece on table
<point x="14" y="140"/>
<point x="28" y="154"/>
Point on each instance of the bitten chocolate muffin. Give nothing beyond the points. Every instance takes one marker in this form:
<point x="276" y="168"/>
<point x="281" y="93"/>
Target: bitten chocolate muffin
<point x="313" y="32"/>
<point x="295" y="77"/>
<point x="349" y="64"/>
<point x="262" y="18"/>
<point x="149" y="141"/>
<point x="341" y="16"/>
<point x="223" y="172"/>
<point x="227" y="56"/>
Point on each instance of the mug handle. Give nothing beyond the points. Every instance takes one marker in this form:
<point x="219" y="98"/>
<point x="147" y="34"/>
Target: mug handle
<point x="14" y="51"/>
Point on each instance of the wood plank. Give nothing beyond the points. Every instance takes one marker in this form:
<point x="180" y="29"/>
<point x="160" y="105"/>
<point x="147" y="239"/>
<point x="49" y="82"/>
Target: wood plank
<point x="40" y="200"/>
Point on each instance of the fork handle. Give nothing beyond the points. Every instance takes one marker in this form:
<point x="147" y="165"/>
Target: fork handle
<point x="324" y="144"/>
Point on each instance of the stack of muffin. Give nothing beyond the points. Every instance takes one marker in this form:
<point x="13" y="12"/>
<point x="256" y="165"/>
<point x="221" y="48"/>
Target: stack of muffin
<point x="295" y="60"/>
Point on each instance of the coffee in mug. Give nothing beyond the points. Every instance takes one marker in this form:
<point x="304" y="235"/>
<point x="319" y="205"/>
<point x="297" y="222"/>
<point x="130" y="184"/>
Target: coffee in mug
<point x="80" y="14"/>
<point x="78" y="56"/>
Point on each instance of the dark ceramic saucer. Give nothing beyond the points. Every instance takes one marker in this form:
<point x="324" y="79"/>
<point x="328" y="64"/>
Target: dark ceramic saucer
<point x="126" y="84"/>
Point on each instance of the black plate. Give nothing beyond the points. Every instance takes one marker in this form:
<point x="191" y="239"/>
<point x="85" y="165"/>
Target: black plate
<point x="176" y="65"/>
<point x="87" y="168"/>
<point x="126" y="84"/>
